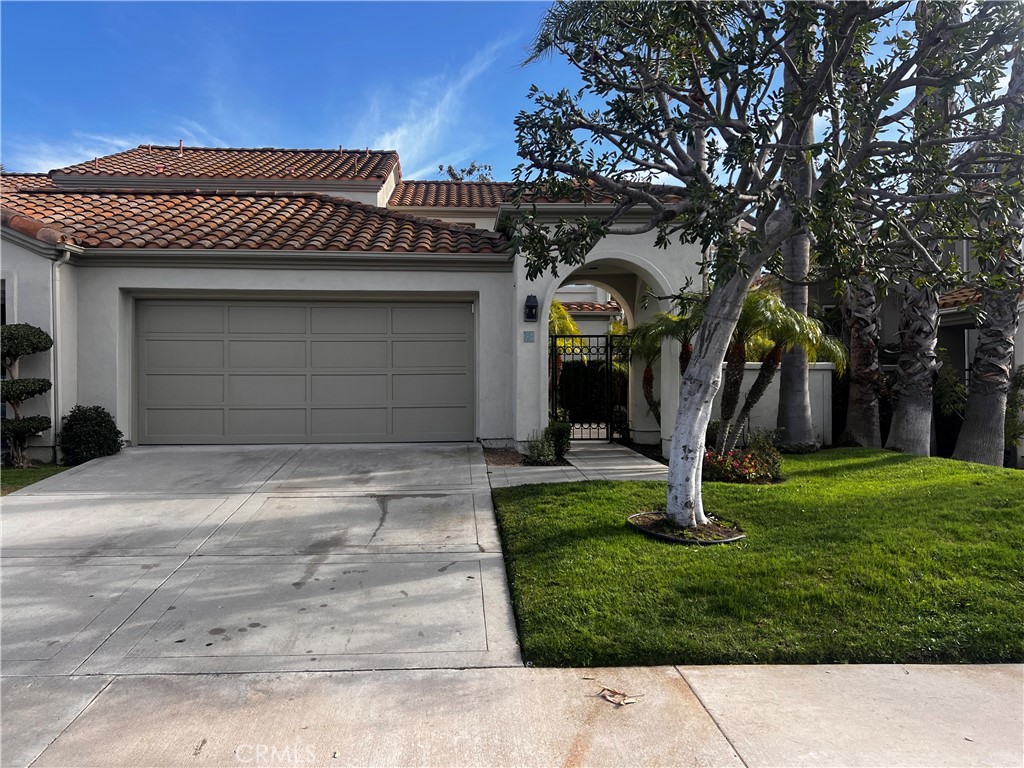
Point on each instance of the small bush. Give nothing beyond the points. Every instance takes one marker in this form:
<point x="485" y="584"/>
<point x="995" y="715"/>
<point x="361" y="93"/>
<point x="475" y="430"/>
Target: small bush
<point x="560" y="435"/>
<point x="540" y="451"/>
<point x="759" y="463"/>
<point x="735" y="467"/>
<point x="89" y="432"/>
<point x="762" y="447"/>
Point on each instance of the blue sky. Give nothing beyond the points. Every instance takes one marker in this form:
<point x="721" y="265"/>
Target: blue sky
<point x="439" y="82"/>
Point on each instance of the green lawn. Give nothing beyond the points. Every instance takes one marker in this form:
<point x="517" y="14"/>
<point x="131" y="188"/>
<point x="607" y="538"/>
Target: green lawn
<point x="859" y="556"/>
<point x="12" y="480"/>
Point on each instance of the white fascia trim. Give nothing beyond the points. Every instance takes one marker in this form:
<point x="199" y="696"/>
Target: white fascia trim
<point x="260" y="259"/>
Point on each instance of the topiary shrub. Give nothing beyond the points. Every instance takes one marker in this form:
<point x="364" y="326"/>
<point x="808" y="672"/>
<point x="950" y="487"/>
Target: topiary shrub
<point x="16" y="341"/>
<point x="89" y="432"/>
<point x="560" y="435"/>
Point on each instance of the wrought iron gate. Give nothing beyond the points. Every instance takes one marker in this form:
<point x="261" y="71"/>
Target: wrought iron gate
<point x="588" y="385"/>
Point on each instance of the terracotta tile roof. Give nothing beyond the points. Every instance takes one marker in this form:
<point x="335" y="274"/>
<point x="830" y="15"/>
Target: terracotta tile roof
<point x="471" y="194"/>
<point x="583" y="307"/>
<point x="16" y="182"/>
<point x="962" y="297"/>
<point x="242" y="163"/>
<point x="31" y="227"/>
<point x="452" y="194"/>
<point x="132" y="219"/>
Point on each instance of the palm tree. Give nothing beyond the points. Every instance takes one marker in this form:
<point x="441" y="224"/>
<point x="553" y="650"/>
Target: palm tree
<point x="644" y="341"/>
<point x="767" y="328"/>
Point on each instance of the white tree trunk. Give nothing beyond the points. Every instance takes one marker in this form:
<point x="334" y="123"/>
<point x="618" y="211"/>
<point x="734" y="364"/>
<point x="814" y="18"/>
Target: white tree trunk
<point x="697" y="390"/>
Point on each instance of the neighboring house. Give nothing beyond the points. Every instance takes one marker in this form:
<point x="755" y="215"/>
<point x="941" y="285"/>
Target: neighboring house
<point x="212" y="296"/>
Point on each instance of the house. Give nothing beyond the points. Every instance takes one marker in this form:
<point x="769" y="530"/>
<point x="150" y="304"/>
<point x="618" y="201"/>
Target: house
<point x="212" y="296"/>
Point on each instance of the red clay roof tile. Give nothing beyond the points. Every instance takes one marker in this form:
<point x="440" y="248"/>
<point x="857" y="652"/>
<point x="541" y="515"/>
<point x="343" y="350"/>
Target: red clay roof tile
<point x="451" y="194"/>
<point x="243" y="221"/>
<point x="241" y="163"/>
<point x="19" y="182"/>
<point x="583" y="307"/>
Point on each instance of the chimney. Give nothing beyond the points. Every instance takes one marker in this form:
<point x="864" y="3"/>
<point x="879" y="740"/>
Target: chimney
<point x="181" y="147"/>
<point x="96" y="163"/>
<point x="151" y="149"/>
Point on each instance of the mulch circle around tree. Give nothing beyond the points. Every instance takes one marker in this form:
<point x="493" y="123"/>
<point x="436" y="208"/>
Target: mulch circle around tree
<point x="658" y="526"/>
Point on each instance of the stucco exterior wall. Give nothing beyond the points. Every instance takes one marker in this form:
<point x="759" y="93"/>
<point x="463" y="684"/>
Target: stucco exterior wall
<point x="106" y="297"/>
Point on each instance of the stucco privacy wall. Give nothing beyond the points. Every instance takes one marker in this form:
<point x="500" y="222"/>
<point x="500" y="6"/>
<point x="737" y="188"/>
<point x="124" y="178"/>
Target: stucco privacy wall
<point x="765" y="413"/>
<point x="106" y="318"/>
<point x="28" y="269"/>
<point x="666" y="271"/>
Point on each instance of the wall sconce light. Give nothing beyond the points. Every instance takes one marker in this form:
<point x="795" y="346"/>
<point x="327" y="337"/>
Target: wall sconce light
<point x="530" y="309"/>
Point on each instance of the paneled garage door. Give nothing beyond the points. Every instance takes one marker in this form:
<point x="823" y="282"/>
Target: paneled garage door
<point x="280" y="372"/>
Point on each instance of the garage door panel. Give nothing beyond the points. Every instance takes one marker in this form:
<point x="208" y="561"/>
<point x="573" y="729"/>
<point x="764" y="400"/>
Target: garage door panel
<point x="267" y="354"/>
<point x="257" y="389"/>
<point x="252" y="422"/>
<point x="174" y="354"/>
<point x="431" y="388"/>
<point x="262" y="372"/>
<point x="183" y="389"/>
<point x="184" y="422"/>
<point x="350" y="422"/>
<point x="438" y="423"/>
<point x="177" y="318"/>
<point x="431" y="321"/>
<point x="349" y="320"/>
<point x="266" y="320"/>
<point x="425" y="353"/>
<point x="350" y="354"/>
<point x="353" y="389"/>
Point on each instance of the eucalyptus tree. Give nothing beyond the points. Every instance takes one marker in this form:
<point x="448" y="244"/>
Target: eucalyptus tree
<point x="661" y="80"/>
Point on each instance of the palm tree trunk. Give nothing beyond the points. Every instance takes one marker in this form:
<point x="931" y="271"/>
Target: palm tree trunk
<point x="647" y="385"/>
<point x="982" y="436"/>
<point x="860" y="310"/>
<point x="765" y="375"/>
<point x="735" y="362"/>
<point x="697" y="390"/>
<point x="916" y="371"/>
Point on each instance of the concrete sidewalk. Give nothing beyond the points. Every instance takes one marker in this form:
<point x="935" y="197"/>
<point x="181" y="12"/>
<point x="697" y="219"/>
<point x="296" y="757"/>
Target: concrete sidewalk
<point x="588" y="461"/>
<point x="704" y="716"/>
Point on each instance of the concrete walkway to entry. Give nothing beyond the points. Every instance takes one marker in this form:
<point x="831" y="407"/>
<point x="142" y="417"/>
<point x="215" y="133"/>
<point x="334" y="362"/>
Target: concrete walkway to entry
<point x="347" y="606"/>
<point x="587" y="461"/>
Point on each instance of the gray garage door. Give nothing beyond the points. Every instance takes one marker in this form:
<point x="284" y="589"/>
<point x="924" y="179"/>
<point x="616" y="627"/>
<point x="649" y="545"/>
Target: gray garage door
<point x="279" y="372"/>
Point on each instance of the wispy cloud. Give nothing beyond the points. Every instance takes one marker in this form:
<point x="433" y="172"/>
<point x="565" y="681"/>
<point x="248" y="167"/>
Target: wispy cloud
<point x="421" y="126"/>
<point x="39" y="156"/>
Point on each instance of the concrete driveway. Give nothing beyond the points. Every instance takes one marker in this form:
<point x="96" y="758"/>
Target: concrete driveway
<point x="256" y="559"/>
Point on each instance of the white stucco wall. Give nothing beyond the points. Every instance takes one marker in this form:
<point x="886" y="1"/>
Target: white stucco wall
<point x="765" y="413"/>
<point x="106" y="297"/>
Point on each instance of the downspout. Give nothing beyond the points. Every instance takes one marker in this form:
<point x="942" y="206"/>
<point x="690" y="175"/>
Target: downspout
<point x="64" y="253"/>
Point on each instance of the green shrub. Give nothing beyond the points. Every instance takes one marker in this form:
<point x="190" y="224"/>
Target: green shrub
<point x="760" y="462"/>
<point x="540" y="451"/>
<point x="89" y="432"/>
<point x="560" y="435"/>
<point x="20" y="390"/>
<point x="20" y="339"/>
<point x="21" y="429"/>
